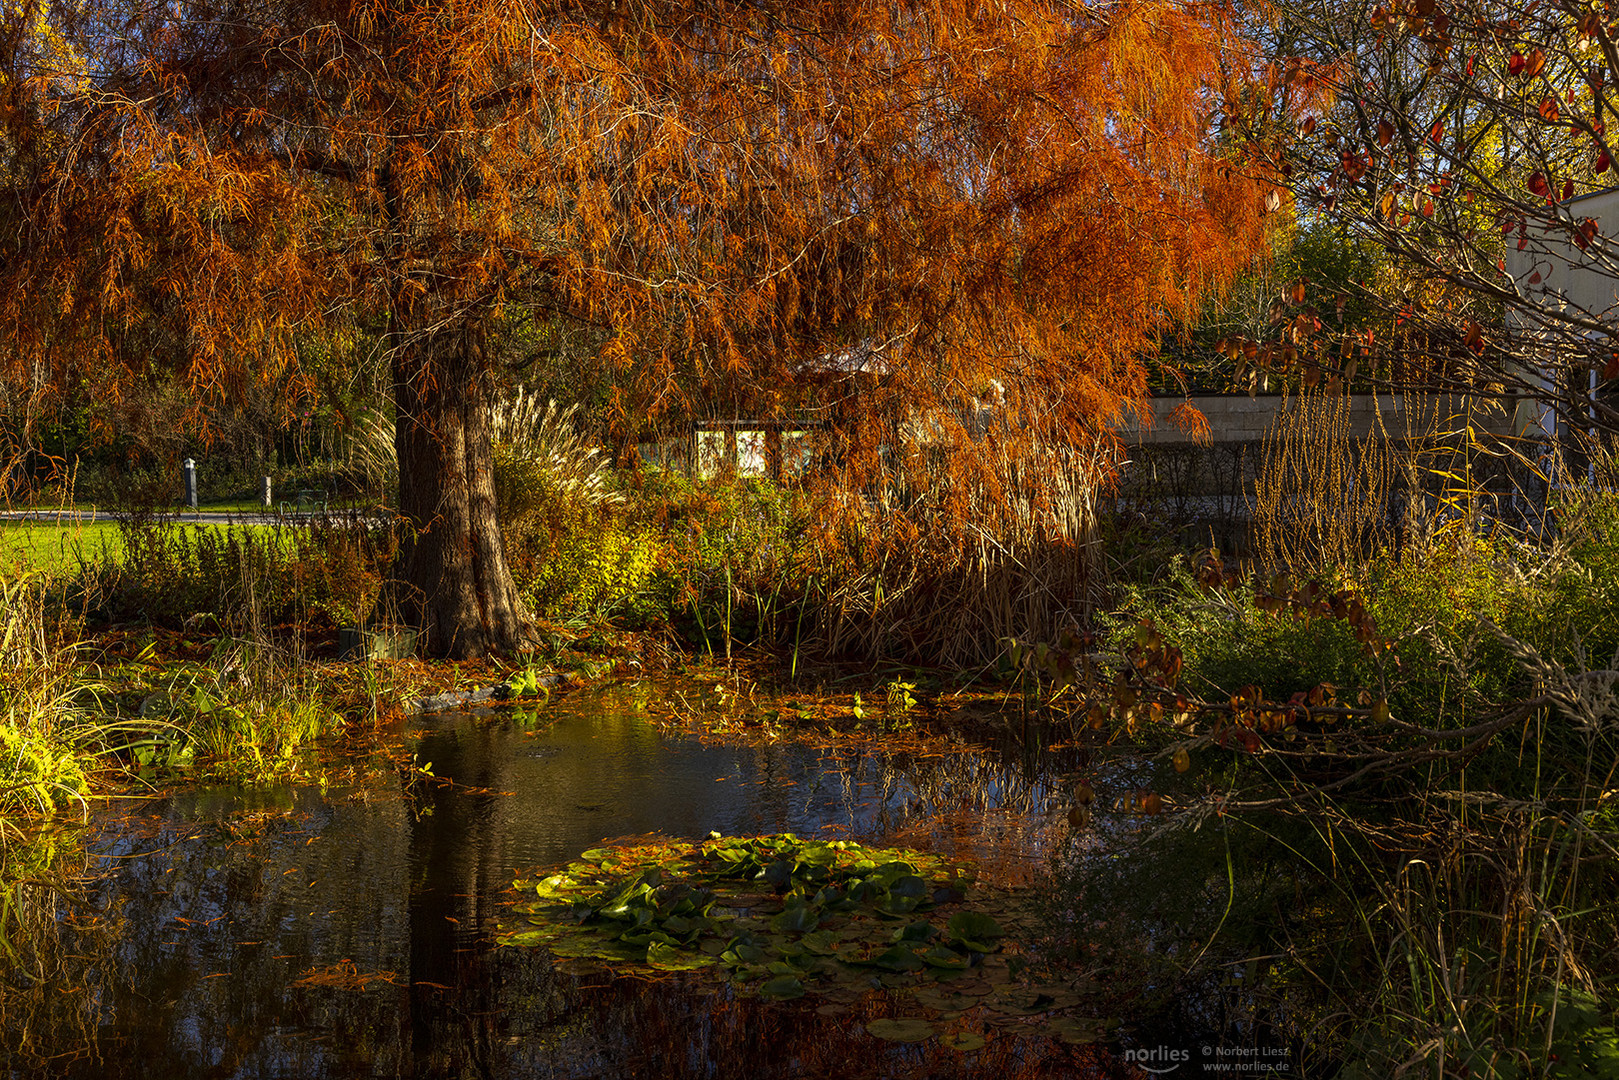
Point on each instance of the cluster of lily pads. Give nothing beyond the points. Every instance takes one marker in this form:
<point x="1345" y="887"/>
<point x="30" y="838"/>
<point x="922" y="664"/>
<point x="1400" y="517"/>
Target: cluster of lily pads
<point x="784" y="917"/>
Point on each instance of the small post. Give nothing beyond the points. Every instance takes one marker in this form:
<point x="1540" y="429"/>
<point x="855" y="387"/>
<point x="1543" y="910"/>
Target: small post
<point x="190" y="466"/>
<point x="264" y="493"/>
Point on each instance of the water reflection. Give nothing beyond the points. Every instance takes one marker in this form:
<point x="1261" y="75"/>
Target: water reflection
<point x="350" y="933"/>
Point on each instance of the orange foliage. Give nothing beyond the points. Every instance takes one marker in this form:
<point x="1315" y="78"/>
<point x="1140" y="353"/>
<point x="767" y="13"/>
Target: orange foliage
<point x="1029" y="192"/>
<point x="1025" y="192"/>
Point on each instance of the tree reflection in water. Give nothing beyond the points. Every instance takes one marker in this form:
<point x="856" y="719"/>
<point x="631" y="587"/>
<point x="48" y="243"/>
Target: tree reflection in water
<point x="295" y="933"/>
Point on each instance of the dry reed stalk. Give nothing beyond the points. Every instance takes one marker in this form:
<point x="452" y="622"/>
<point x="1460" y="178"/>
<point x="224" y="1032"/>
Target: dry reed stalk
<point x="1329" y="498"/>
<point x="1322" y="495"/>
<point x="938" y="567"/>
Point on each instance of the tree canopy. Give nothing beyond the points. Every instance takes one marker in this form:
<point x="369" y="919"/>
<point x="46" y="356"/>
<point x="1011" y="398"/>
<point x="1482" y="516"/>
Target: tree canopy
<point x="714" y="194"/>
<point x="1460" y="137"/>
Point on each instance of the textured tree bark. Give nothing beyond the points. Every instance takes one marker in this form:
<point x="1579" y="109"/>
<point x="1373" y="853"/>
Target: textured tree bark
<point x="452" y="579"/>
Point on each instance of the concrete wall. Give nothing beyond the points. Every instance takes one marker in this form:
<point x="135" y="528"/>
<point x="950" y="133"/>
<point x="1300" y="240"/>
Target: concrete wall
<point x="1207" y="493"/>
<point x="1238" y="418"/>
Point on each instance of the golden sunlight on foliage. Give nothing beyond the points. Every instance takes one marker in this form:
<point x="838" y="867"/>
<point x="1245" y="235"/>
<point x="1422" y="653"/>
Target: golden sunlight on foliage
<point x="723" y="195"/>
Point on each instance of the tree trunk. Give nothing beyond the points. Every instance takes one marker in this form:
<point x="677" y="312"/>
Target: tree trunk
<point x="451" y="569"/>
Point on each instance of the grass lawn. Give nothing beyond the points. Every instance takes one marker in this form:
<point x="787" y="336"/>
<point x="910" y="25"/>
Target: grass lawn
<point x="51" y="548"/>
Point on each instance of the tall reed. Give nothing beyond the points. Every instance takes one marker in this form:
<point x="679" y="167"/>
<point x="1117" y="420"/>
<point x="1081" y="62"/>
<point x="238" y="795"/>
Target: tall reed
<point x="937" y="564"/>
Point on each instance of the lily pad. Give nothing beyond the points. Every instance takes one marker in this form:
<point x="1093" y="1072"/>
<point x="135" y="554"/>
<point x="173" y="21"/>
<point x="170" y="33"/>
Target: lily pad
<point x="1078" y="1031"/>
<point x="796" y="920"/>
<point x="975" y="930"/>
<point x="668" y="958"/>
<point x="782" y="988"/>
<point x="941" y="957"/>
<point x="773" y="908"/>
<point x="963" y="1040"/>
<point x="907" y="1029"/>
<point x="899" y="958"/>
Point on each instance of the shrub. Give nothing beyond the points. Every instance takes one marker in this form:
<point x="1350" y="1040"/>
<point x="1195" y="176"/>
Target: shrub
<point x="544" y="465"/>
<point x="40" y="763"/>
<point x="1227" y="641"/>
<point x="330" y="569"/>
<point x="37" y="771"/>
<point x="734" y="565"/>
<point x="597" y="572"/>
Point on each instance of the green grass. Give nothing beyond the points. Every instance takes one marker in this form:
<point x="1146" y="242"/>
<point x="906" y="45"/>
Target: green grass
<point x="54" y="548"/>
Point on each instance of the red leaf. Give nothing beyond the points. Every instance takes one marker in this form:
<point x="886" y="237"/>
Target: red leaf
<point x="1534" y="279"/>
<point x="1537" y="183"/>
<point x="1437" y="133"/>
<point x="1603" y="161"/>
<point x="1610" y="370"/>
<point x="1533" y="63"/>
<point x="1568" y="189"/>
<point x="1515" y="64"/>
<point x="1385" y="132"/>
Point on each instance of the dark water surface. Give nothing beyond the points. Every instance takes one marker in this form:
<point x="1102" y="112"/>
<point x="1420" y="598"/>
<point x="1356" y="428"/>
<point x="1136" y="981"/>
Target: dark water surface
<point x="350" y="931"/>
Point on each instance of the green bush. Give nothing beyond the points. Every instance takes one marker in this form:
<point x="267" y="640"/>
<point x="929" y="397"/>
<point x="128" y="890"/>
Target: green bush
<point x="735" y="565"/>
<point x="1432" y="602"/>
<point x="37" y="772"/>
<point x="1228" y="642"/>
<point x="245" y="576"/>
<point x="1581" y="613"/>
<point x="590" y="571"/>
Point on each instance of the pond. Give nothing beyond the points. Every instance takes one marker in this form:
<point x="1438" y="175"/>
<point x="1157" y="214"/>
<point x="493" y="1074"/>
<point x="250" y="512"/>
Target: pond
<point x="349" y="929"/>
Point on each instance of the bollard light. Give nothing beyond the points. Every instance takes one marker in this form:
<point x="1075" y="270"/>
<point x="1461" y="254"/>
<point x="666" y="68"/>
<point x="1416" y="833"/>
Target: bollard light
<point x="190" y="466"/>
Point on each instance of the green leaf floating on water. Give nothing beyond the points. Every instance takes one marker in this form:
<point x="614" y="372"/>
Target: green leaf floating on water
<point x="941" y="957"/>
<point x="905" y="1029"/>
<point x="777" y="915"/>
<point x="1077" y="1031"/>
<point x="799" y="919"/>
<point x="669" y="958"/>
<point x="782" y="988"/>
<point x="975" y="930"/>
